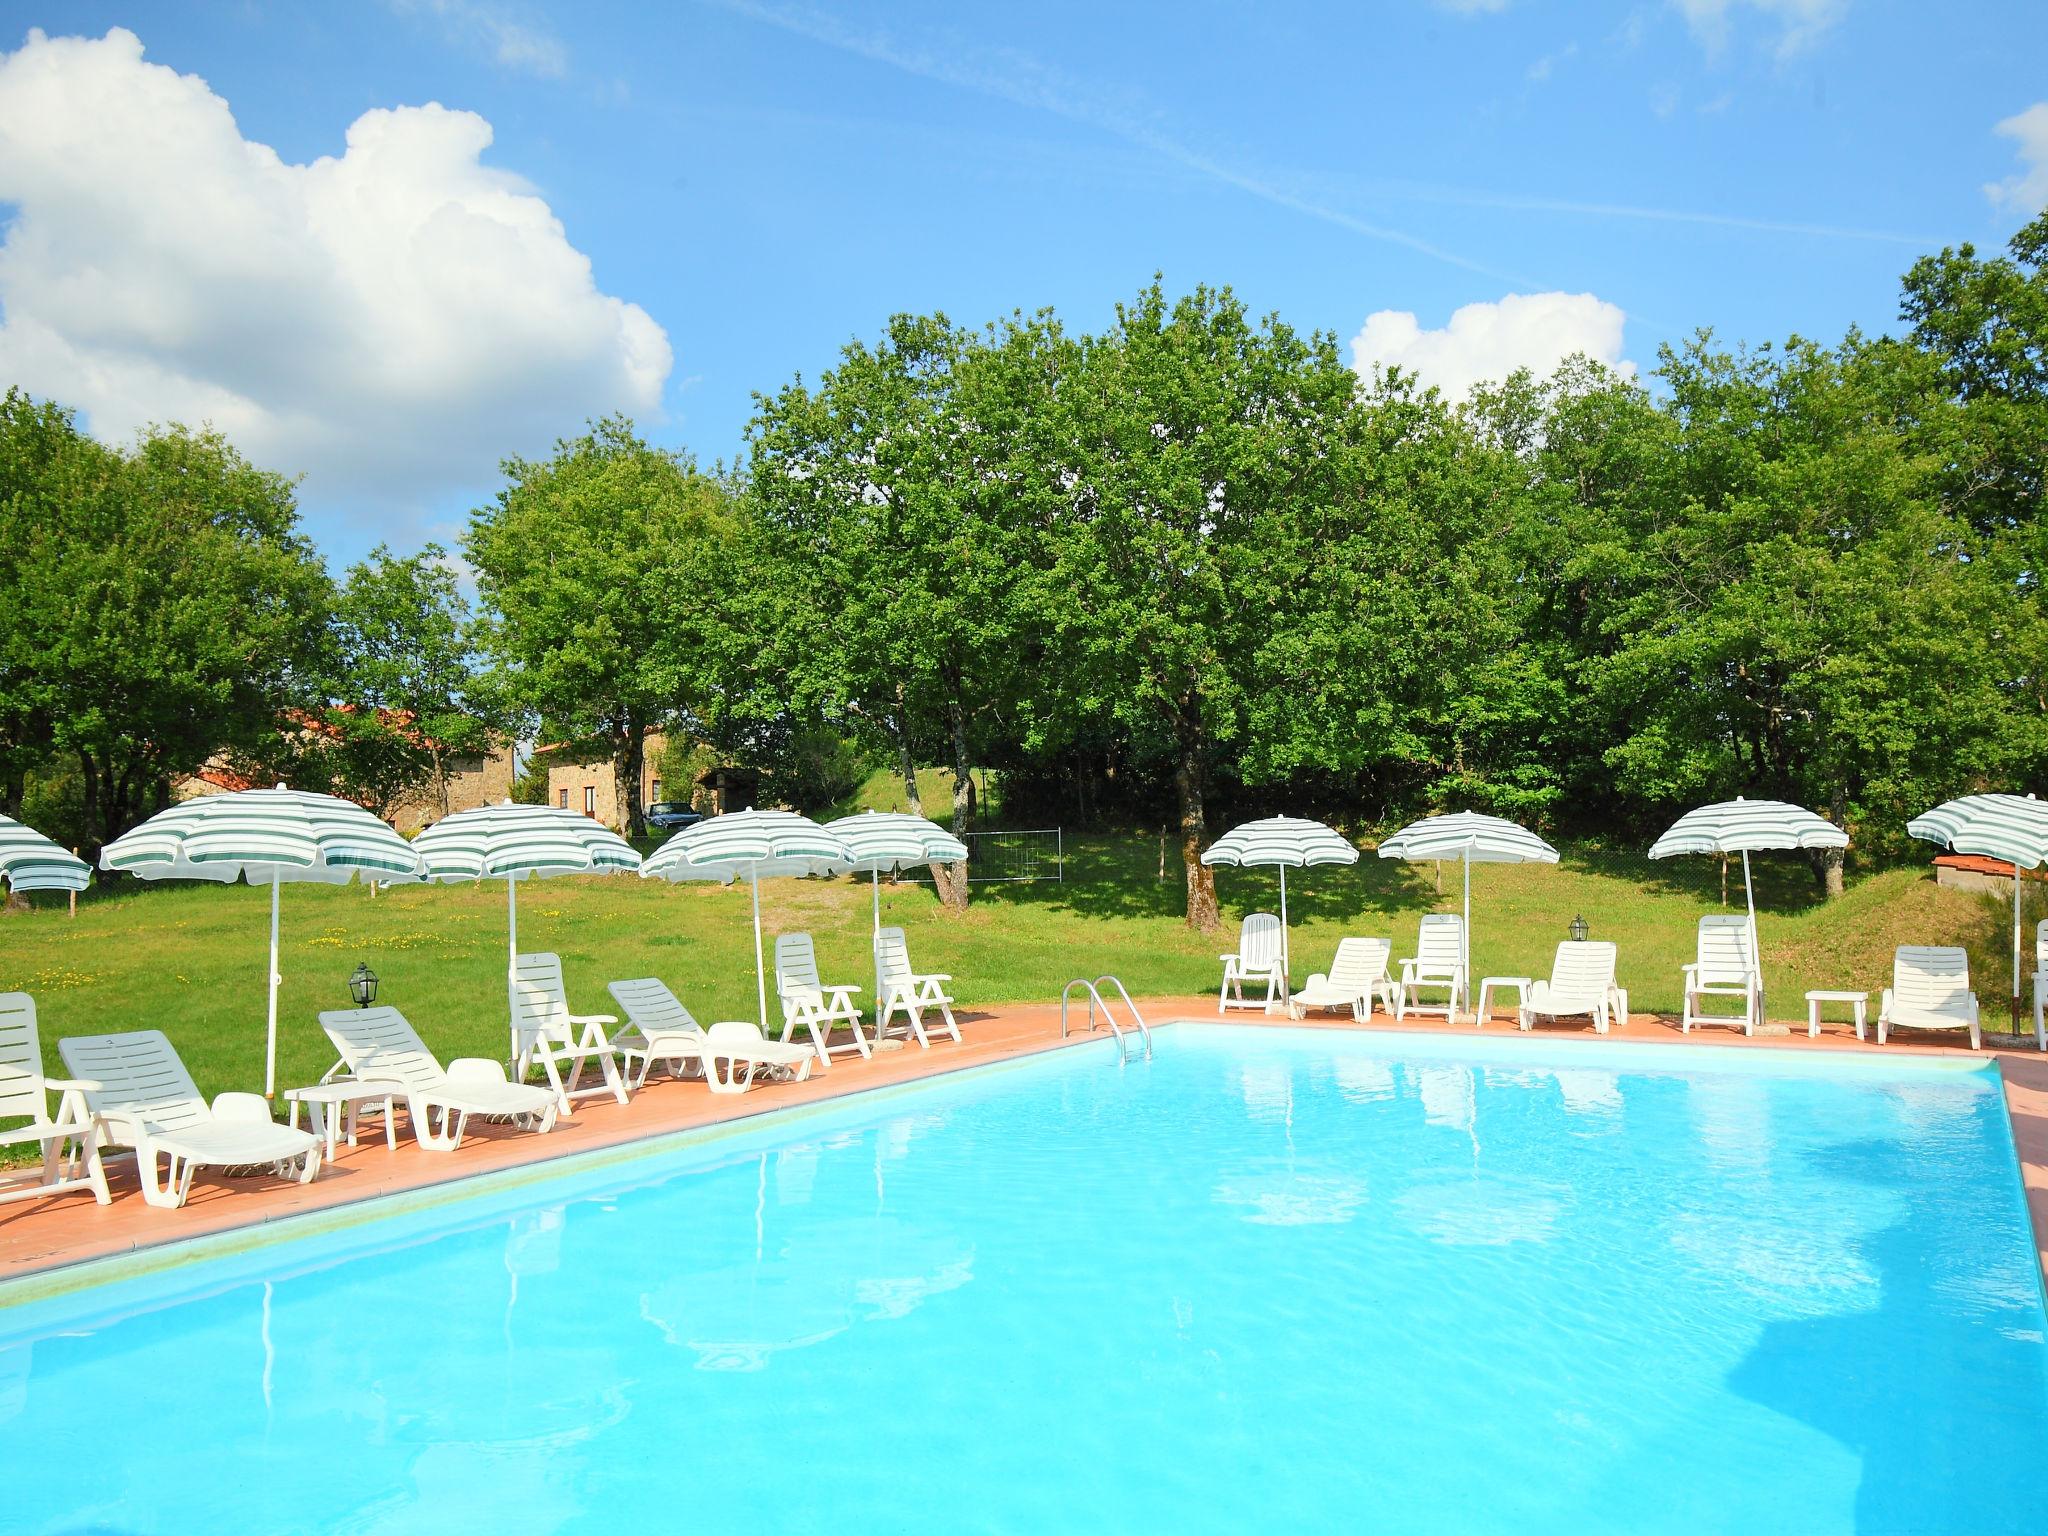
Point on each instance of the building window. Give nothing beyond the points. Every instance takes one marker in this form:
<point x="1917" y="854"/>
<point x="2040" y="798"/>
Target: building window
<point x="590" y="799"/>
<point x="654" y="790"/>
<point x="563" y="799"/>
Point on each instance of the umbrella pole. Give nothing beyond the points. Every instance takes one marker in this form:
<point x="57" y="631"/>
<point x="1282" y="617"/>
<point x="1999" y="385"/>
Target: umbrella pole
<point x="2015" y="948"/>
<point x="875" y="940"/>
<point x="270" y="1040"/>
<point x="511" y="928"/>
<point x="760" y="968"/>
<point x="1467" y="934"/>
<point x="1286" y="969"/>
<point x="1756" y="953"/>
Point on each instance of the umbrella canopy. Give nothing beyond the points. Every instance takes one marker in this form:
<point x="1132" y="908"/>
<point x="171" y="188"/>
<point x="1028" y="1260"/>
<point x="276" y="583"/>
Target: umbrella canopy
<point x="1282" y="842"/>
<point x="1746" y="827"/>
<point x="266" y="837"/>
<point x="1472" y="839"/>
<point x="2009" y="827"/>
<point x="886" y="841"/>
<point x="29" y="861"/>
<point x="508" y="842"/>
<point x="750" y="843"/>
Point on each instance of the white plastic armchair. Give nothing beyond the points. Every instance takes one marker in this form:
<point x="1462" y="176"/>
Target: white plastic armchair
<point x="546" y="1034"/>
<point x="1725" y="968"/>
<point x="809" y="1004"/>
<point x="144" y="1098"/>
<point x="2040" y="984"/>
<point x="1356" y="977"/>
<point x="380" y="1046"/>
<point x="1257" y="959"/>
<point x="1581" y="982"/>
<point x="1930" y="990"/>
<point x="68" y="1140"/>
<point x="1438" y="965"/>
<point x="913" y="993"/>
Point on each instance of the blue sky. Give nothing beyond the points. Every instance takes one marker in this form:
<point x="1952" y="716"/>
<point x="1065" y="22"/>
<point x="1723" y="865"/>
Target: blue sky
<point x="765" y="181"/>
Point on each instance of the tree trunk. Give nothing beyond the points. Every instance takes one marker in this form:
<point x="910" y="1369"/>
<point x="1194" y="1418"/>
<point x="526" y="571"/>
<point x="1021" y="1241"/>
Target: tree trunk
<point x="12" y="787"/>
<point x="1827" y="862"/>
<point x="906" y="765"/>
<point x="440" y="778"/>
<point x="1189" y="780"/>
<point x="954" y="891"/>
<point x="89" y="800"/>
<point x="626" y="765"/>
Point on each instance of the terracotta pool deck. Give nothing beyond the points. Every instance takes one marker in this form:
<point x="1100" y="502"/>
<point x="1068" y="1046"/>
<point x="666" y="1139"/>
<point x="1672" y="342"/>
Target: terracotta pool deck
<point x="42" y="1235"/>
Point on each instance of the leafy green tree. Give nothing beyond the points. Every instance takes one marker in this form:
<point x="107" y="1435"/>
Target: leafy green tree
<point x="597" y="568"/>
<point x="1181" y="578"/>
<point x="163" y="606"/>
<point x="1798" y="614"/>
<point x="406" y="687"/>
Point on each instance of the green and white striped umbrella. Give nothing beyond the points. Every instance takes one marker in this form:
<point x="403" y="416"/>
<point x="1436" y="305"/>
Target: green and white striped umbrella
<point x="29" y="861"/>
<point x="750" y="843"/>
<point x="1745" y="827"/>
<point x="511" y="842"/>
<point x="1471" y="839"/>
<point x="2013" y="828"/>
<point x="886" y="841"/>
<point x="1283" y="842"/>
<point x="267" y="837"/>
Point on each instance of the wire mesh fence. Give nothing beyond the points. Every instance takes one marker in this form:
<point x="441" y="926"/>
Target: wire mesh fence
<point x="1034" y="854"/>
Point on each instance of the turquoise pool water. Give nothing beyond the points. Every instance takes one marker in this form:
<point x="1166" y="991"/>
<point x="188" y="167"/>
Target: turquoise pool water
<point x="1273" y="1279"/>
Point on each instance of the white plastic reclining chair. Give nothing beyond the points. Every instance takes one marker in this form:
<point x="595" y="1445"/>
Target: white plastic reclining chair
<point x="912" y="992"/>
<point x="1581" y="982"/>
<point x="1930" y="990"/>
<point x="1257" y="959"/>
<point x="1726" y="968"/>
<point x="1356" y="976"/>
<point x="808" y="1004"/>
<point x="546" y="1033"/>
<point x="70" y="1157"/>
<point x="381" y="1047"/>
<point x="145" y="1099"/>
<point x="660" y="1028"/>
<point x="1438" y="965"/>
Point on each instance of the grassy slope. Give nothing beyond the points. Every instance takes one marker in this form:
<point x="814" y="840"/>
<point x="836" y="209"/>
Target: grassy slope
<point x="189" y="958"/>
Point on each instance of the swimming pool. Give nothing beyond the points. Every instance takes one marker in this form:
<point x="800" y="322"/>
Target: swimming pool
<point x="1272" y="1279"/>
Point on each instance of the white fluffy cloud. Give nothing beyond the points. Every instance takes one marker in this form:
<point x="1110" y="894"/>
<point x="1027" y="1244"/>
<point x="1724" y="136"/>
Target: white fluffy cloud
<point x="391" y="321"/>
<point x="1800" y="22"/>
<point x="1487" y="342"/>
<point x="2027" y="191"/>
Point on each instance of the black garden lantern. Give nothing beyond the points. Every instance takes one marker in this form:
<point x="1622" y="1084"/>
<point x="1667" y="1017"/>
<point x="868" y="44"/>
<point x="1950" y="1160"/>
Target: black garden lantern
<point x="362" y="986"/>
<point x="1579" y="930"/>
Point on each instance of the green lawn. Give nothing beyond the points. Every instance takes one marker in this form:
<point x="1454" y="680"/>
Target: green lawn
<point x="189" y="959"/>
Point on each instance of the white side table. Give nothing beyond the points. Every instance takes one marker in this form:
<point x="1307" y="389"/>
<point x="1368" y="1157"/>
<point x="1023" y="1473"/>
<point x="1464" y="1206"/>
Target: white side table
<point x="329" y="1103"/>
<point x="1857" y="1001"/>
<point x="1519" y="985"/>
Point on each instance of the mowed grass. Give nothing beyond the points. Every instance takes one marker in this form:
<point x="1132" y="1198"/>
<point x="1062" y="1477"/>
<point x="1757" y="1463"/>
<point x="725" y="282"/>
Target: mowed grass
<point x="189" y="958"/>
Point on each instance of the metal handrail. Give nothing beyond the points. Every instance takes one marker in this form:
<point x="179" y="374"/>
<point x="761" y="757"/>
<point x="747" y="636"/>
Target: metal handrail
<point x="1096" y="1002"/>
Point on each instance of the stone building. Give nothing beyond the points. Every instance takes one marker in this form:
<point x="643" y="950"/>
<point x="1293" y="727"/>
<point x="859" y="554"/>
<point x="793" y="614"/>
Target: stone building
<point x="589" y="785"/>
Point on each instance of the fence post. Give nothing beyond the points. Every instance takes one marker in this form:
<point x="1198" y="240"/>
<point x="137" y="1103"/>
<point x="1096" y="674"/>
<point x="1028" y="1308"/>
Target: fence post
<point x="1059" y="852"/>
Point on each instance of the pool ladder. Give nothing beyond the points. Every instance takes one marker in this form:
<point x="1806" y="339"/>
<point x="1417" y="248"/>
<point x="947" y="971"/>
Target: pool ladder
<point x="1097" y="1003"/>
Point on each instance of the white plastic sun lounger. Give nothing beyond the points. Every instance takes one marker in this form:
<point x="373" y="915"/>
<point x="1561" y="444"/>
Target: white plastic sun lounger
<point x="913" y="992"/>
<point x="1930" y="990"/>
<point x="808" y="1004"/>
<point x="1725" y="968"/>
<point x="1257" y="959"/>
<point x="734" y="1050"/>
<point x="70" y="1150"/>
<point x="1356" y="976"/>
<point x="381" y="1047"/>
<point x="145" y="1099"/>
<point x="1581" y="982"/>
<point x="1438" y="965"/>
<point x="660" y="1028"/>
<point x="547" y="1034"/>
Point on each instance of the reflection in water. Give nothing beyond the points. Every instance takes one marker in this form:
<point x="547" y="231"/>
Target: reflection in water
<point x="1484" y="1211"/>
<point x="1592" y="1094"/>
<point x="1288" y="1199"/>
<point x="1447" y="1096"/>
<point x="1364" y="1079"/>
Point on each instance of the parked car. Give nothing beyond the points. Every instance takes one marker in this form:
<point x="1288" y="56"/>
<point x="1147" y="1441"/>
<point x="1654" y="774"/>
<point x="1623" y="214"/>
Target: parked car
<point x="672" y="815"/>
